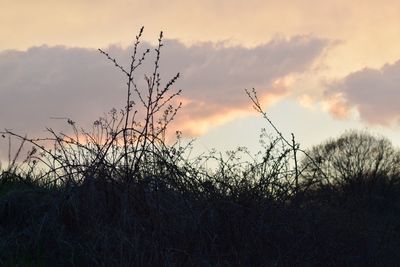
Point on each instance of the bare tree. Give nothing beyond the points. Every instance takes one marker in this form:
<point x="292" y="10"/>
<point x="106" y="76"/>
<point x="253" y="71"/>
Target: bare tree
<point x="353" y="156"/>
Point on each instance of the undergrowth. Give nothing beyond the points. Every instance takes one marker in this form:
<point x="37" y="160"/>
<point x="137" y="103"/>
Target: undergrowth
<point x="121" y="195"/>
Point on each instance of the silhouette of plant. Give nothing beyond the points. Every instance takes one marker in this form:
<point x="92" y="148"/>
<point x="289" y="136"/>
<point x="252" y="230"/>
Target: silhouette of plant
<point x="124" y="143"/>
<point x="121" y="195"/>
<point x="290" y="145"/>
<point x="353" y="156"/>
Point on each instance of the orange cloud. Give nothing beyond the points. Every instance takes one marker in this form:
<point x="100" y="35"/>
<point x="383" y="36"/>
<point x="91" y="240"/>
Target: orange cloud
<point x="197" y="117"/>
<point x="337" y="106"/>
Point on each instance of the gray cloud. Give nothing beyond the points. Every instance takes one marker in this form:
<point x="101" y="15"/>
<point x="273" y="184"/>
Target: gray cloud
<point x="79" y="83"/>
<point x="374" y="93"/>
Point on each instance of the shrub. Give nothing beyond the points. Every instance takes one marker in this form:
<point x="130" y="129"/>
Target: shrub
<point x="120" y="195"/>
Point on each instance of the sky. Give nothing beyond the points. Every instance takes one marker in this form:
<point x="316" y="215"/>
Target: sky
<point x="319" y="67"/>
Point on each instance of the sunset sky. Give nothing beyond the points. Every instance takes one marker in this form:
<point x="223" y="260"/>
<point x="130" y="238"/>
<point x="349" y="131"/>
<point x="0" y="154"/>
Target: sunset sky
<point x="321" y="67"/>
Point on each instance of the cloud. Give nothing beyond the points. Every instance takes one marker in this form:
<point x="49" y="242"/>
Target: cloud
<point x="46" y="82"/>
<point x="373" y="93"/>
<point x="79" y="83"/>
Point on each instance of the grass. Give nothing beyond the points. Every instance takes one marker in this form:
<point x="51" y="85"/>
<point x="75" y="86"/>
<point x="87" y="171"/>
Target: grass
<point x="121" y="196"/>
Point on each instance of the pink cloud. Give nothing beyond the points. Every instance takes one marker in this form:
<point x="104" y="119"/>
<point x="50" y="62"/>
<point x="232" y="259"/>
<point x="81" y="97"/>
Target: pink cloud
<point x="374" y="93"/>
<point x="338" y="106"/>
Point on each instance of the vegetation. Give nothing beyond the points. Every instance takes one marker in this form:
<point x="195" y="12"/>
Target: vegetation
<point x="119" y="195"/>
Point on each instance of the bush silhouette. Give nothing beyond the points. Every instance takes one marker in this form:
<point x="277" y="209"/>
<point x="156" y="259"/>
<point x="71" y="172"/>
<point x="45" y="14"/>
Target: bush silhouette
<point x="121" y="196"/>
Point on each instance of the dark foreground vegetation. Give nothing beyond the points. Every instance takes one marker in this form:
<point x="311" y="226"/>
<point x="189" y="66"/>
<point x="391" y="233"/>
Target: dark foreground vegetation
<point x="119" y="195"/>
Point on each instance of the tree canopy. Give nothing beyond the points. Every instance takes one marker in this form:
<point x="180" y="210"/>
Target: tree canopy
<point x="352" y="156"/>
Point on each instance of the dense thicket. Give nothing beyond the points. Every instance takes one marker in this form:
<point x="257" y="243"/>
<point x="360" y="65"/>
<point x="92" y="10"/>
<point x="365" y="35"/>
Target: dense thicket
<point x="121" y="196"/>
